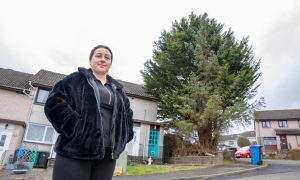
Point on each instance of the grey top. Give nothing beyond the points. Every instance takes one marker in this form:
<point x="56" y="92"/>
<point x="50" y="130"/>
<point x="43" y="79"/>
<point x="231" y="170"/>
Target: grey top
<point x="107" y="102"/>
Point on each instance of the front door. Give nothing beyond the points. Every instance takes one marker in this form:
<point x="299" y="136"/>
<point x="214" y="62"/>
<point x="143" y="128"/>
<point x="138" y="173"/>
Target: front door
<point x="133" y="147"/>
<point x="283" y="142"/>
<point x="153" y="143"/>
<point x="5" y="136"/>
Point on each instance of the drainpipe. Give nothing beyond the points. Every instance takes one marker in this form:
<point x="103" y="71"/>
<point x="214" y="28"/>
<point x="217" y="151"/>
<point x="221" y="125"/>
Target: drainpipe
<point x="31" y="97"/>
<point x="145" y="136"/>
<point x="30" y="108"/>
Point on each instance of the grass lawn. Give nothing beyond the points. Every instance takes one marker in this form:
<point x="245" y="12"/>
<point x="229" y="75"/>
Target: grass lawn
<point x="227" y="162"/>
<point x="150" y="169"/>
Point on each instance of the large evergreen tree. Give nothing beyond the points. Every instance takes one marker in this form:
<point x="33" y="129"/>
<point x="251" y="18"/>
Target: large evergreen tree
<point x="204" y="79"/>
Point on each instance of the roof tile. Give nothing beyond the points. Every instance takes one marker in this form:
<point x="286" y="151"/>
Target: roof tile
<point x="277" y="114"/>
<point x="14" y="79"/>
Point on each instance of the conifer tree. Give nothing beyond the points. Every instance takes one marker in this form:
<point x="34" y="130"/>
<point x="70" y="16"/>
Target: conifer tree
<point x="205" y="79"/>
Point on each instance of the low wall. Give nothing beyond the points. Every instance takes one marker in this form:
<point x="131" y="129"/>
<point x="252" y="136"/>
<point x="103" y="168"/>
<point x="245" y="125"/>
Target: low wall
<point x="132" y="160"/>
<point x="197" y="160"/>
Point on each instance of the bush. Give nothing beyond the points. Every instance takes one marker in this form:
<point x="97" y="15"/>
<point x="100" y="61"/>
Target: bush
<point x="297" y="148"/>
<point x="228" y="155"/>
<point x="294" y="154"/>
<point x="272" y="155"/>
<point x="243" y="141"/>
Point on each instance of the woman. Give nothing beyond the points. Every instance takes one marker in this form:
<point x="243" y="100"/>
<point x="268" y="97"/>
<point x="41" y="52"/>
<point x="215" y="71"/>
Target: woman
<point x="92" y="114"/>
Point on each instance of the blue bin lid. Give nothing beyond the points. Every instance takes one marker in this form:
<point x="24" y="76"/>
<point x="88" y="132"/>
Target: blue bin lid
<point x="255" y="146"/>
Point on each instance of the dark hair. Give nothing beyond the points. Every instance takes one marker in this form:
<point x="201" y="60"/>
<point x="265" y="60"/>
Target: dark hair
<point x="100" y="46"/>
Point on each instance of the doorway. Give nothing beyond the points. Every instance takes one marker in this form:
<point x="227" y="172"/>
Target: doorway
<point x="283" y="143"/>
<point x="5" y="137"/>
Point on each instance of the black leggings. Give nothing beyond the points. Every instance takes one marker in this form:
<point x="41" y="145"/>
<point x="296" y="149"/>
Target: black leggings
<point x="75" y="169"/>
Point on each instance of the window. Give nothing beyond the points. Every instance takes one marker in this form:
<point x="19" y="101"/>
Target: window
<point x="2" y="140"/>
<point x="42" y="96"/>
<point x="282" y="123"/>
<point x="266" y="124"/>
<point x="231" y="142"/>
<point x="270" y="141"/>
<point x="39" y="133"/>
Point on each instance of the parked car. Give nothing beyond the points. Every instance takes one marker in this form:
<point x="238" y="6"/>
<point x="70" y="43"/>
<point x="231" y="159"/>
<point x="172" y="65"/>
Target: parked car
<point x="243" y="152"/>
<point x="230" y="149"/>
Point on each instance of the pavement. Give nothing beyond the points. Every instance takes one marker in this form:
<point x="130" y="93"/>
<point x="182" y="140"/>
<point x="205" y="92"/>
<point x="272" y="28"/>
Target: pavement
<point x="206" y="173"/>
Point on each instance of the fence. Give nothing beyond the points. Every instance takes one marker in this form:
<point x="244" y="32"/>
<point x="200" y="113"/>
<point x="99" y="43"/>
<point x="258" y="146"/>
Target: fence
<point x="24" y="157"/>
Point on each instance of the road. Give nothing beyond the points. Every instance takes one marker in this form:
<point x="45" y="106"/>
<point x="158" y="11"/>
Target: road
<point x="276" y="170"/>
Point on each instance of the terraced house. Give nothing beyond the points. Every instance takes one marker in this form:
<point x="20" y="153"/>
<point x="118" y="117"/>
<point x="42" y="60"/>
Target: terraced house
<point x="148" y="134"/>
<point x="278" y="130"/>
<point x="14" y="111"/>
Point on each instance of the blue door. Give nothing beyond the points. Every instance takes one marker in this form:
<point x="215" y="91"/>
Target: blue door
<point x="153" y="143"/>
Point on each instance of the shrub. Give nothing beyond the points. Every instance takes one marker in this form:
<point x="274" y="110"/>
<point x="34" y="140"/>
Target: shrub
<point x="243" y="141"/>
<point x="228" y="155"/>
<point x="294" y="154"/>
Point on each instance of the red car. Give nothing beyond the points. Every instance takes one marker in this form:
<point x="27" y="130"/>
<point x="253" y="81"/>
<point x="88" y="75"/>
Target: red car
<point x="243" y="152"/>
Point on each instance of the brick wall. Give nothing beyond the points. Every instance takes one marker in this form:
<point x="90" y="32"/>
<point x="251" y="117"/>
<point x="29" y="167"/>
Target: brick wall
<point x="132" y="160"/>
<point x="197" y="160"/>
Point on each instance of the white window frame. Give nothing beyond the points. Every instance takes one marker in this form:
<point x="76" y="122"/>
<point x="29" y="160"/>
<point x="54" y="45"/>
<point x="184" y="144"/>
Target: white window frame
<point x="270" y="139"/>
<point x="265" y="124"/>
<point x="2" y="140"/>
<point x="37" y="95"/>
<point x="282" y="123"/>
<point x="44" y="134"/>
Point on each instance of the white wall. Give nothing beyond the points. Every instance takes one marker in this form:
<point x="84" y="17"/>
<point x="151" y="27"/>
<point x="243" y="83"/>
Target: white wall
<point x="232" y="143"/>
<point x="145" y="129"/>
<point x="133" y="146"/>
<point x="143" y="109"/>
<point x="38" y="116"/>
<point x="14" y="106"/>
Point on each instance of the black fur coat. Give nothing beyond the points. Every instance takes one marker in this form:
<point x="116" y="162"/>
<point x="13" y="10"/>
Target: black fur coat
<point x="73" y="109"/>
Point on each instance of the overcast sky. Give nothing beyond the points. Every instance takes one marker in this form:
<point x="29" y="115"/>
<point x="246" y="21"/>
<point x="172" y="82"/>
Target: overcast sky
<point x="58" y="35"/>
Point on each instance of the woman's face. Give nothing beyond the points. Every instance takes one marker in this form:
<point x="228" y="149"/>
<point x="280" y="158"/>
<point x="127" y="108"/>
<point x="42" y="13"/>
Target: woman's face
<point x="101" y="61"/>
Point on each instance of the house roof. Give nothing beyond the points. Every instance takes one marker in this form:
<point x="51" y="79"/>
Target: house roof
<point x="235" y="136"/>
<point x="277" y="114"/>
<point x="137" y="90"/>
<point x="248" y="134"/>
<point x="10" y="79"/>
<point x="48" y="79"/>
<point x="229" y="137"/>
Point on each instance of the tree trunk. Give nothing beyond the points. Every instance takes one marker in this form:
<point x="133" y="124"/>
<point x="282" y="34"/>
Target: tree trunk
<point x="205" y="138"/>
<point x="209" y="136"/>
